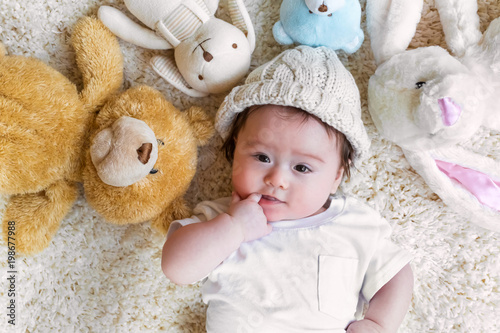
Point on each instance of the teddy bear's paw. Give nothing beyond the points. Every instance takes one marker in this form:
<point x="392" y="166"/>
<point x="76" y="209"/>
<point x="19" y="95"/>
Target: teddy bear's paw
<point x="31" y="220"/>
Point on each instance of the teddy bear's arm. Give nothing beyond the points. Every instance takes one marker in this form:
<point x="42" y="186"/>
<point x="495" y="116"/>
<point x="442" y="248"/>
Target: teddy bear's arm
<point x="102" y="68"/>
<point x="36" y="216"/>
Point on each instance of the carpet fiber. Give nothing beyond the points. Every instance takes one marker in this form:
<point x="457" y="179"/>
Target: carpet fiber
<point x="100" y="277"/>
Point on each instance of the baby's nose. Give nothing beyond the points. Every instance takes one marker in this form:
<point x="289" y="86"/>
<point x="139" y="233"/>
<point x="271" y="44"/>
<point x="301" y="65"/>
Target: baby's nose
<point x="276" y="178"/>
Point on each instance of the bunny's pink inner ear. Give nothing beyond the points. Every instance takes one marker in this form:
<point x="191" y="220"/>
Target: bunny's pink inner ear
<point x="480" y="185"/>
<point x="450" y="111"/>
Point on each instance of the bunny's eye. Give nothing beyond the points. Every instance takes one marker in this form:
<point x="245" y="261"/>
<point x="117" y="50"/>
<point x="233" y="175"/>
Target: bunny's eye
<point x="419" y="84"/>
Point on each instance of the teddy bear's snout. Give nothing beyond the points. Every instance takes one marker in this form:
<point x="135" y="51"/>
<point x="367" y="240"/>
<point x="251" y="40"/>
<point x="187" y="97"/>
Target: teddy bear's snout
<point x="125" y="152"/>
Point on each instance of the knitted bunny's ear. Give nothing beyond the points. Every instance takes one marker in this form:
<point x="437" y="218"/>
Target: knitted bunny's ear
<point x="460" y="24"/>
<point x="391" y="25"/>
<point x="166" y="67"/>
<point x="241" y="20"/>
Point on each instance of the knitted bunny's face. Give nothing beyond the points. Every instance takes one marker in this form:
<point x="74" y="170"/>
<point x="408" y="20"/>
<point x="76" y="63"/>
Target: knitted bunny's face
<point x="211" y="62"/>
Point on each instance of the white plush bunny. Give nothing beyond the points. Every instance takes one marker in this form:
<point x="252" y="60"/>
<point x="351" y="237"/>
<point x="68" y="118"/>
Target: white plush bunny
<point x="211" y="55"/>
<point x="429" y="102"/>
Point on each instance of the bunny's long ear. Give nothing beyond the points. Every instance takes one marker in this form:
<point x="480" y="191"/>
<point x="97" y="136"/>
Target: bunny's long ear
<point x="241" y="19"/>
<point x="166" y="67"/>
<point x="212" y="5"/>
<point x="391" y="25"/>
<point x="460" y="24"/>
<point x="123" y="27"/>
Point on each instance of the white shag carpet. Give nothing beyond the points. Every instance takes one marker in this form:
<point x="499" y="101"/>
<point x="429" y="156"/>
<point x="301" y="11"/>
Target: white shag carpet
<point x="100" y="277"/>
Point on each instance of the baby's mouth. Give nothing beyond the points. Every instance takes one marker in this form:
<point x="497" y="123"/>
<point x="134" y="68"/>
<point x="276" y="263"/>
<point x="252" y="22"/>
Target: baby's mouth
<point x="270" y="199"/>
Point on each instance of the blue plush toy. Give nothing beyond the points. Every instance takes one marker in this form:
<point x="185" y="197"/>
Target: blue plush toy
<point x="334" y="24"/>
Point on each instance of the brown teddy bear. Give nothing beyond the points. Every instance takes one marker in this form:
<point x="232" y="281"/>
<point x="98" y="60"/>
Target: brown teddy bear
<point x="136" y="155"/>
<point x="142" y="158"/>
<point x="44" y="123"/>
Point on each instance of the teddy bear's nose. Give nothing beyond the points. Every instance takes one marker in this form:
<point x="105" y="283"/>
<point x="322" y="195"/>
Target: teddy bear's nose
<point x="207" y="56"/>
<point x="323" y="8"/>
<point x="144" y="152"/>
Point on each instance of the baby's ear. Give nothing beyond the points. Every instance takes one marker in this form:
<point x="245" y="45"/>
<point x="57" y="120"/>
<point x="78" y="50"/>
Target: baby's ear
<point x="338" y="180"/>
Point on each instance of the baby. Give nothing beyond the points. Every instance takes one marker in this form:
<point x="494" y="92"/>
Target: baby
<point x="287" y="252"/>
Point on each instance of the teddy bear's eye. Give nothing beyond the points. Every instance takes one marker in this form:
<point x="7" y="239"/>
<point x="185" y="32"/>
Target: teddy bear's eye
<point x="419" y="84"/>
<point x="235" y="46"/>
<point x="200" y="77"/>
<point x="161" y="143"/>
<point x="153" y="171"/>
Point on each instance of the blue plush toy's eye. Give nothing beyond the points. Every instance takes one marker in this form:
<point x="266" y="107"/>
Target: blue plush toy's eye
<point x="419" y="84"/>
<point x="153" y="171"/>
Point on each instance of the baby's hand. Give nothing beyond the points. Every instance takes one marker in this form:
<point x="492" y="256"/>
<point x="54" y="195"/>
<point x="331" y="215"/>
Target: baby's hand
<point x="249" y="216"/>
<point x="365" y="326"/>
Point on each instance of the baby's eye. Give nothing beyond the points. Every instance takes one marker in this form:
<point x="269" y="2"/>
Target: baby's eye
<point x="302" y="168"/>
<point x="262" y="158"/>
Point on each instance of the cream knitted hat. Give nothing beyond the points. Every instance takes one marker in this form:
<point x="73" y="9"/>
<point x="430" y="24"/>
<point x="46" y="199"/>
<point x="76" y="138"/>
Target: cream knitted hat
<point x="311" y="79"/>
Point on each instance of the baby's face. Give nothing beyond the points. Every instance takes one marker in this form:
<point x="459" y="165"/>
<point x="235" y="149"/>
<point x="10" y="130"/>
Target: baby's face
<point x="293" y="163"/>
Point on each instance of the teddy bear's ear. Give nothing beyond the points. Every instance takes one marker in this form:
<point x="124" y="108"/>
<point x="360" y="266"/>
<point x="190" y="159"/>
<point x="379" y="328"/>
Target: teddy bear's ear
<point x="166" y="67"/>
<point x="177" y="210"/>
<point x="460" y="24"/>
<point x="202" y="124"/>
<point x="391" y="25"/>
<point x="241" y="20"/>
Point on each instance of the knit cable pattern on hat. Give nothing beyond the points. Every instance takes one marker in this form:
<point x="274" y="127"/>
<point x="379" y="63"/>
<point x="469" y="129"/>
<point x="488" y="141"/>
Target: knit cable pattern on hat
<point x="312" y="79"/>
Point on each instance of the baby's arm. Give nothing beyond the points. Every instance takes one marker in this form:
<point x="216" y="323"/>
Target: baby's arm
<point x="193" y="251"/>
<point x="388" y="306"/>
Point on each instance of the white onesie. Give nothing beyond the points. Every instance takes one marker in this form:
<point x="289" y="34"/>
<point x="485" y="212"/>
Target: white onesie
<point x="307" y="275"/>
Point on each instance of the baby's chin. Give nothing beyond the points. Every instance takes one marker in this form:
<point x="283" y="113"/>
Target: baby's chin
<point x="275" y="216"/>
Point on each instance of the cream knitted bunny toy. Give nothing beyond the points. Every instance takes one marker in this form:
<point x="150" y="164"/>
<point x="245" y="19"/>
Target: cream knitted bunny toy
<point x="429" y="102"/>
<point x="211" y="55"/>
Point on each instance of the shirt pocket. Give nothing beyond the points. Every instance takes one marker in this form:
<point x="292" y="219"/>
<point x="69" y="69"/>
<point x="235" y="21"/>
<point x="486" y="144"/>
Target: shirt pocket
<point x="336" y="284"/>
